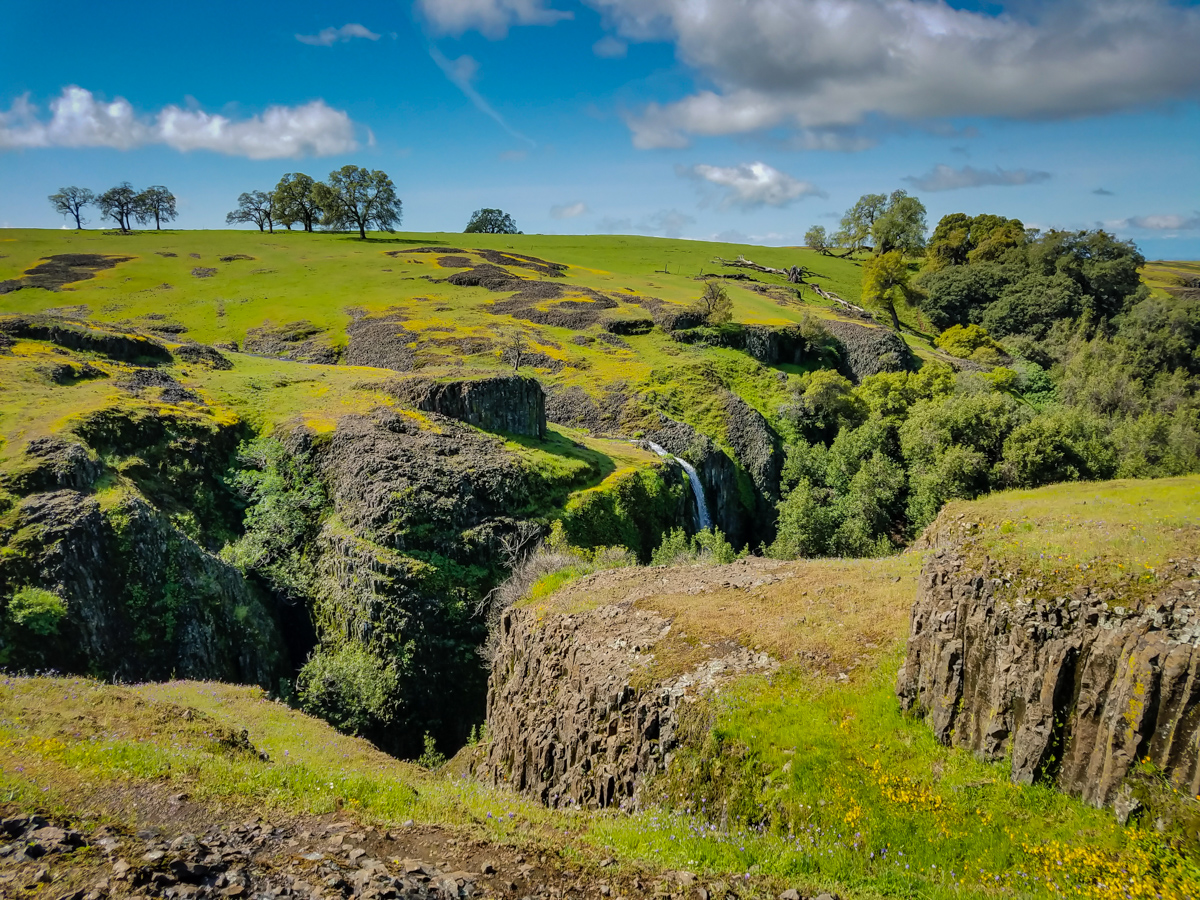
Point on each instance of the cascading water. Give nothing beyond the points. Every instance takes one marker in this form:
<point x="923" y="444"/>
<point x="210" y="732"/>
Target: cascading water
<point x="702" y="515"/>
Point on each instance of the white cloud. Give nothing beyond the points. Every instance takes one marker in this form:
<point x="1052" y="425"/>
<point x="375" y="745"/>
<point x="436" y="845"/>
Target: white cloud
<point x="752" y="185"/>
<point x="1162" y="223"/>
<point x="492" y="18"/>
<point x="78" y="119"/>
<point x="568" y="210"/>
<point x="945" y="178"/>
<point x="327" y="37"/>
<point x="831" y="65"/>
<point x="609" y="47"/>
<point x="462" y="72"/>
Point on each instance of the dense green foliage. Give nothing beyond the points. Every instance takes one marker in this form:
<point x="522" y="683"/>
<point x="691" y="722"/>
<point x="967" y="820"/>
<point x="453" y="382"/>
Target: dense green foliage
<point x="285" y="502"/>
<point x="1092" y="379"/>
<point x="633" y="511"/>
<point x="708" y="547"/>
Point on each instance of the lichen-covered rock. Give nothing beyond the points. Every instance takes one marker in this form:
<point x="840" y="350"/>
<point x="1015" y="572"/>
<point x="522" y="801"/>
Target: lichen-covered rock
<point x="869" y="349"/>
<point x="143" y="601"/>
<point x="575" y="714"/>
<point x="1073" y="689"/>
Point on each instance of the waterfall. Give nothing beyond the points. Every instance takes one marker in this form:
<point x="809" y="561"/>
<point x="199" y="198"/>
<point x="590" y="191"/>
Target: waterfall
<point x="697" y="488"/>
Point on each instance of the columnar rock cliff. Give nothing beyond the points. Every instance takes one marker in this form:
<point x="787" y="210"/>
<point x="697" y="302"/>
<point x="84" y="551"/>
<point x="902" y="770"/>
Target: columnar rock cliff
<point x="576" y="714"/>
<point x="1074" y="688"/>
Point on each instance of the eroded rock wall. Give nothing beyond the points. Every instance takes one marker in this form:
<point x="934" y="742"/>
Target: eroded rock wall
<point x="506" y="403"/>
<point x="1074" y="689"/>
<point x="575" y="714"/>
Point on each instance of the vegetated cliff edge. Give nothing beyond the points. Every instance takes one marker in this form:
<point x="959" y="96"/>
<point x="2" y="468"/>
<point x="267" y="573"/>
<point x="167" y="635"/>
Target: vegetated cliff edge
<point x="1079" y="678"/>
<point x="584" y="706"/>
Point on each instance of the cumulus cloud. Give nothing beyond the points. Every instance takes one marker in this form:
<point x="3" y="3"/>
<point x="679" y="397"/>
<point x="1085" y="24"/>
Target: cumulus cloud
<point x="945" y="178"/>
<point x="492" y="18"/>
<point x="327" y="37"/>
<point x="568" y="210"/>
<point x="817" y="65"/>
<point x="609" y="47"/>
<point x="1163" y="223"/>
<point x="78" y="119"/>
<point x="462" y="72"/>
<point x="751" y="185"/>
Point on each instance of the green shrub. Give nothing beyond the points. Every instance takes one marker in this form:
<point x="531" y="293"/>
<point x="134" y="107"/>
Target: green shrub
<point x="633" y="511"/>
<point x="349" y="687"/>
<point x="707" y="547"/>
<point x="36" y="611"/>
<point x="966" y="341"/>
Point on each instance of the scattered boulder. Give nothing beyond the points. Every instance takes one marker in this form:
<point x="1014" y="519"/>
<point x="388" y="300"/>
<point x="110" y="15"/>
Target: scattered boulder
<point x="298" y="341"/>
<point x="203" y="355"/>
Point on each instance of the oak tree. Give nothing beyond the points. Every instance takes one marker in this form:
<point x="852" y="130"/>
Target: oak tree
<point x="254" y="206"/>
<point x="355" y="197"/>
<point x="491" y="221"/>
<point x="70" y="201"/>
<point x="156" y="203"/>
<point x="296" y="201"/>
<point x="119" y="204"/>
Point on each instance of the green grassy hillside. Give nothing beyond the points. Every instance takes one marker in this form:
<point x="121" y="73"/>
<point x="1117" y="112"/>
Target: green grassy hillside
<point x="218" y="287"/>
<point x="802" y="779"/>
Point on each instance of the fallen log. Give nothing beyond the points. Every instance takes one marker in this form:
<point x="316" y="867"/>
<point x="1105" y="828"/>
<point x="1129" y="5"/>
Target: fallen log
<point x="794" y="274"/>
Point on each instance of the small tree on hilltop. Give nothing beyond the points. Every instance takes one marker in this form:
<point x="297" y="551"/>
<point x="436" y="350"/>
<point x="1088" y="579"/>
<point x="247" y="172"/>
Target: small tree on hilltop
<point x="359" y="198"/>
<point x="714" y="304"/>
<point x="816" y="239"/>
<point x="156" y="203"/>
<point x="119" y="204"/>
<point x="70" y="201"/>
<point x="254" y="206"/>
<point x="296" y="201"/>
<point x="858" y="221"/>
<point x="491" y="221"/>
<point x="883" y="277"/>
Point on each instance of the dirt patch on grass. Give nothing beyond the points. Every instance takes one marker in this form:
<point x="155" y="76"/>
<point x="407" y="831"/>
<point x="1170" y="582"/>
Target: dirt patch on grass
<point x="454" y="262"/>
<point x="235" y="256"/>
<point x="298" y="341"/>
<point x="166" y="253"/>
<point x="204" y="271"/>
<point x="398" y="253"/>
<point x="64" y="268"/>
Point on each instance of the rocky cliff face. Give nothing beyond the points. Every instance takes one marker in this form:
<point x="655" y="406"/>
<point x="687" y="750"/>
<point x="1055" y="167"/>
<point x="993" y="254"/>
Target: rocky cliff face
<point x="575" y="713"/>
<point x="142" y="599"/>
<point x="513" y="404"/>
<point x="1074" y="689"/>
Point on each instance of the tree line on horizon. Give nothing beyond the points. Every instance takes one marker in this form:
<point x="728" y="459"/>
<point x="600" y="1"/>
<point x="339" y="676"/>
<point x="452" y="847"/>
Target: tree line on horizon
<point x="122" y="204"/>
<point x="352" y="198"/>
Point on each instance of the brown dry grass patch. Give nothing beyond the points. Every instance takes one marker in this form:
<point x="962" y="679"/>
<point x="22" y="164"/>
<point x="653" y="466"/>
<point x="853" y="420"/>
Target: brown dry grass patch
<point x="830" y="616"/>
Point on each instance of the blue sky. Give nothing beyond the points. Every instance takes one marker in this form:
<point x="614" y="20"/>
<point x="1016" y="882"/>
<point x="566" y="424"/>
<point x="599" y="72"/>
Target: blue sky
<point x="748" y="119"/>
